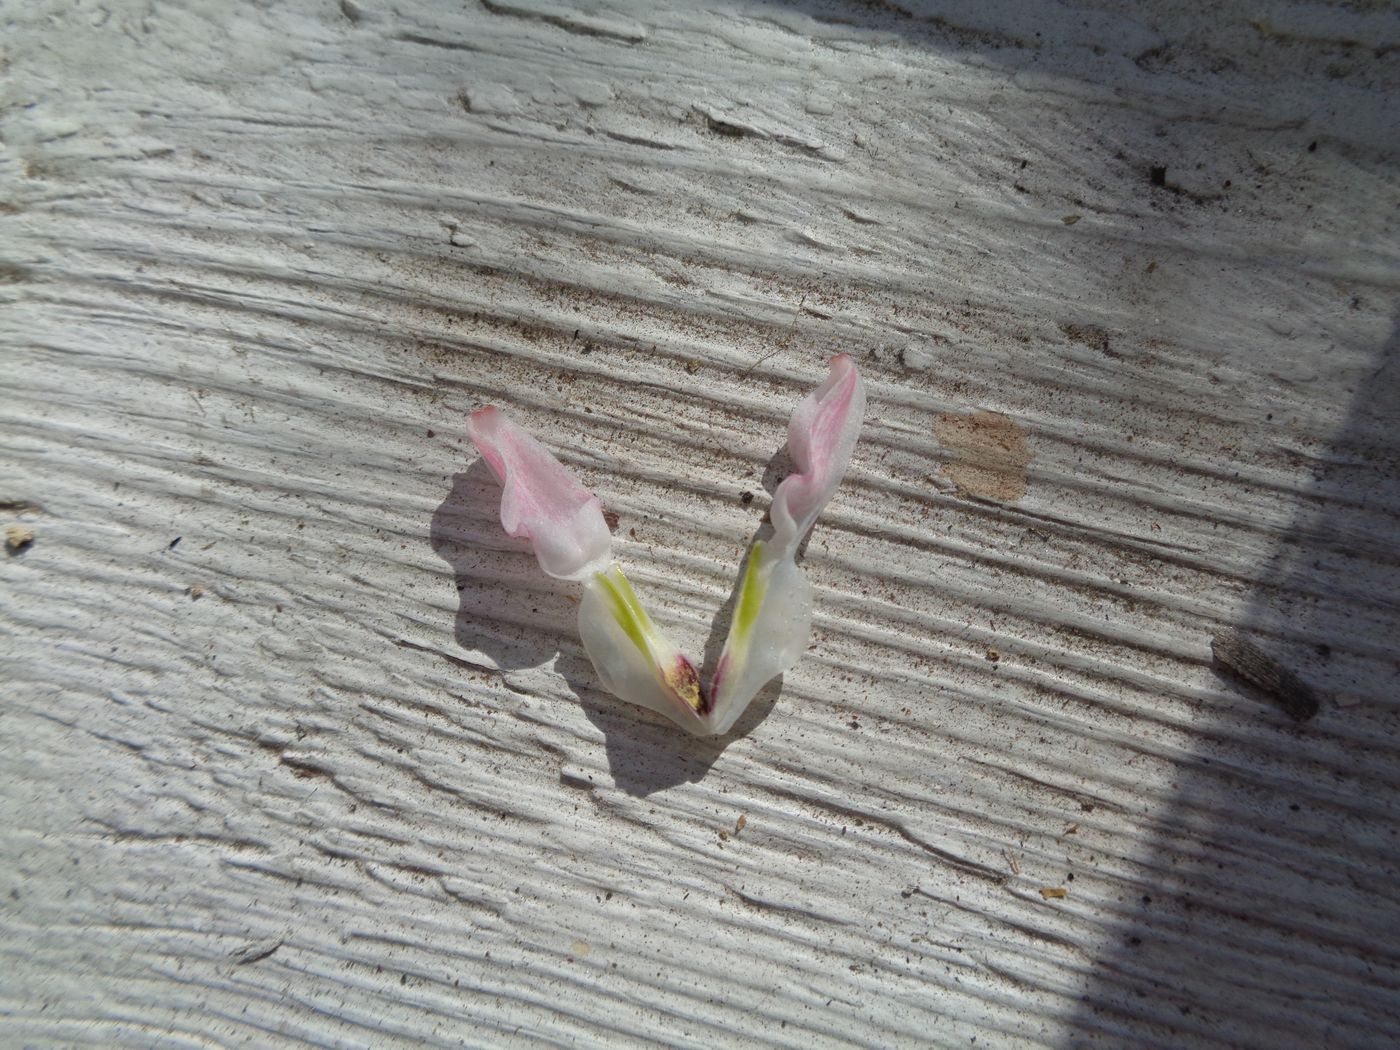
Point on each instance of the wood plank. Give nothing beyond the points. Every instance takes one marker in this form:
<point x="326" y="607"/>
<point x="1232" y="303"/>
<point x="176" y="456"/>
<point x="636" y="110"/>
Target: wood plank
<point x="301" y="749"/>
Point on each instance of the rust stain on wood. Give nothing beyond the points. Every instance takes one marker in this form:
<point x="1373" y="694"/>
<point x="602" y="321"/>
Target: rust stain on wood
<point x="990" y="451"/>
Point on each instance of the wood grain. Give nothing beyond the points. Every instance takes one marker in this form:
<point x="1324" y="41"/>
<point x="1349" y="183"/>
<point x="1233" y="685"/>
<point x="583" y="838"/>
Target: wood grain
<point x="332" y="769"/>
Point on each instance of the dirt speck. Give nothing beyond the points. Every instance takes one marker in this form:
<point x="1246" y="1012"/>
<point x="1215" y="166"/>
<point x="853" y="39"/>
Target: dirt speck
<point x="990" y="454"/>
<point x="1090" y="335"/>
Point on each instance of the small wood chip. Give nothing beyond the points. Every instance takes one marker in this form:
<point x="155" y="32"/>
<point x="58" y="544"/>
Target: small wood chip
<point x="1054" y="893"/>
<point x="255" y="952"/>
<point x="1244" y="660"/>
<point x="17" y="537"/>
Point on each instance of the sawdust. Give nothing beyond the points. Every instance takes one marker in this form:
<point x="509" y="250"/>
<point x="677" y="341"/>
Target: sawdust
<point x="990" y="454"/>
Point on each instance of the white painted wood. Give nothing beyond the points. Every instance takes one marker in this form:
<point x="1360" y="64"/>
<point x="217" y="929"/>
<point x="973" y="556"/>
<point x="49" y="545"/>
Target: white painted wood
<point x="332" y="770"/>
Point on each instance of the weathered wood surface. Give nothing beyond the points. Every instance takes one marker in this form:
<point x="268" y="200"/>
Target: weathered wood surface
<point x="331" y="769"/>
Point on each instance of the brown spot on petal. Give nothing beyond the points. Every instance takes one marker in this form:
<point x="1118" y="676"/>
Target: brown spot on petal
<point x="683" y="680"/>
<point x="990" y="454"/>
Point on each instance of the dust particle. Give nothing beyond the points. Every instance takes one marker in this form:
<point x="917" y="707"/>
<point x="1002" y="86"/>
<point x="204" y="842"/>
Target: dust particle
<point x="1090" y="335"/>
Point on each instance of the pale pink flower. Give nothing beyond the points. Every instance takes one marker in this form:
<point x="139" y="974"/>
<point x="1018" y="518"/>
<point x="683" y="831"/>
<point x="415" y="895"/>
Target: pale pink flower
<point x="541" y="500"/>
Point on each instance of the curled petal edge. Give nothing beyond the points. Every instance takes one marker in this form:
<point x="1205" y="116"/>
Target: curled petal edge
<point x="540" y="500"/>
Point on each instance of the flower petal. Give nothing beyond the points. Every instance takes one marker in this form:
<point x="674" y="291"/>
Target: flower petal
<point x="821" y="436"/>
<point x="773" y="612"/>
<point x="541" y="500"/>
<point x="634" y="660"/>
<point x="772" y="621"/>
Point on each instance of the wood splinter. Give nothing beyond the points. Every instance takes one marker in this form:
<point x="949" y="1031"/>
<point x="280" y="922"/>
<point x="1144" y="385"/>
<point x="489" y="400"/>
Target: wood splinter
<point x="1242" y="659"/>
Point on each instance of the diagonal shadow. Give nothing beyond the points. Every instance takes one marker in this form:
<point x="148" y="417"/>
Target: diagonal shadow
<point x="1308" y="926"/>
<point x="508" y="610"/>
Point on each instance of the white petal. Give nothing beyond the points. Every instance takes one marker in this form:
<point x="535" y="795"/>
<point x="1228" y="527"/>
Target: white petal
<point x="633" y="671"/>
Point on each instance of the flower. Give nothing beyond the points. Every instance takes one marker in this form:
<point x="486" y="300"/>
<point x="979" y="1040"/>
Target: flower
<point x="542" y="501"/>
